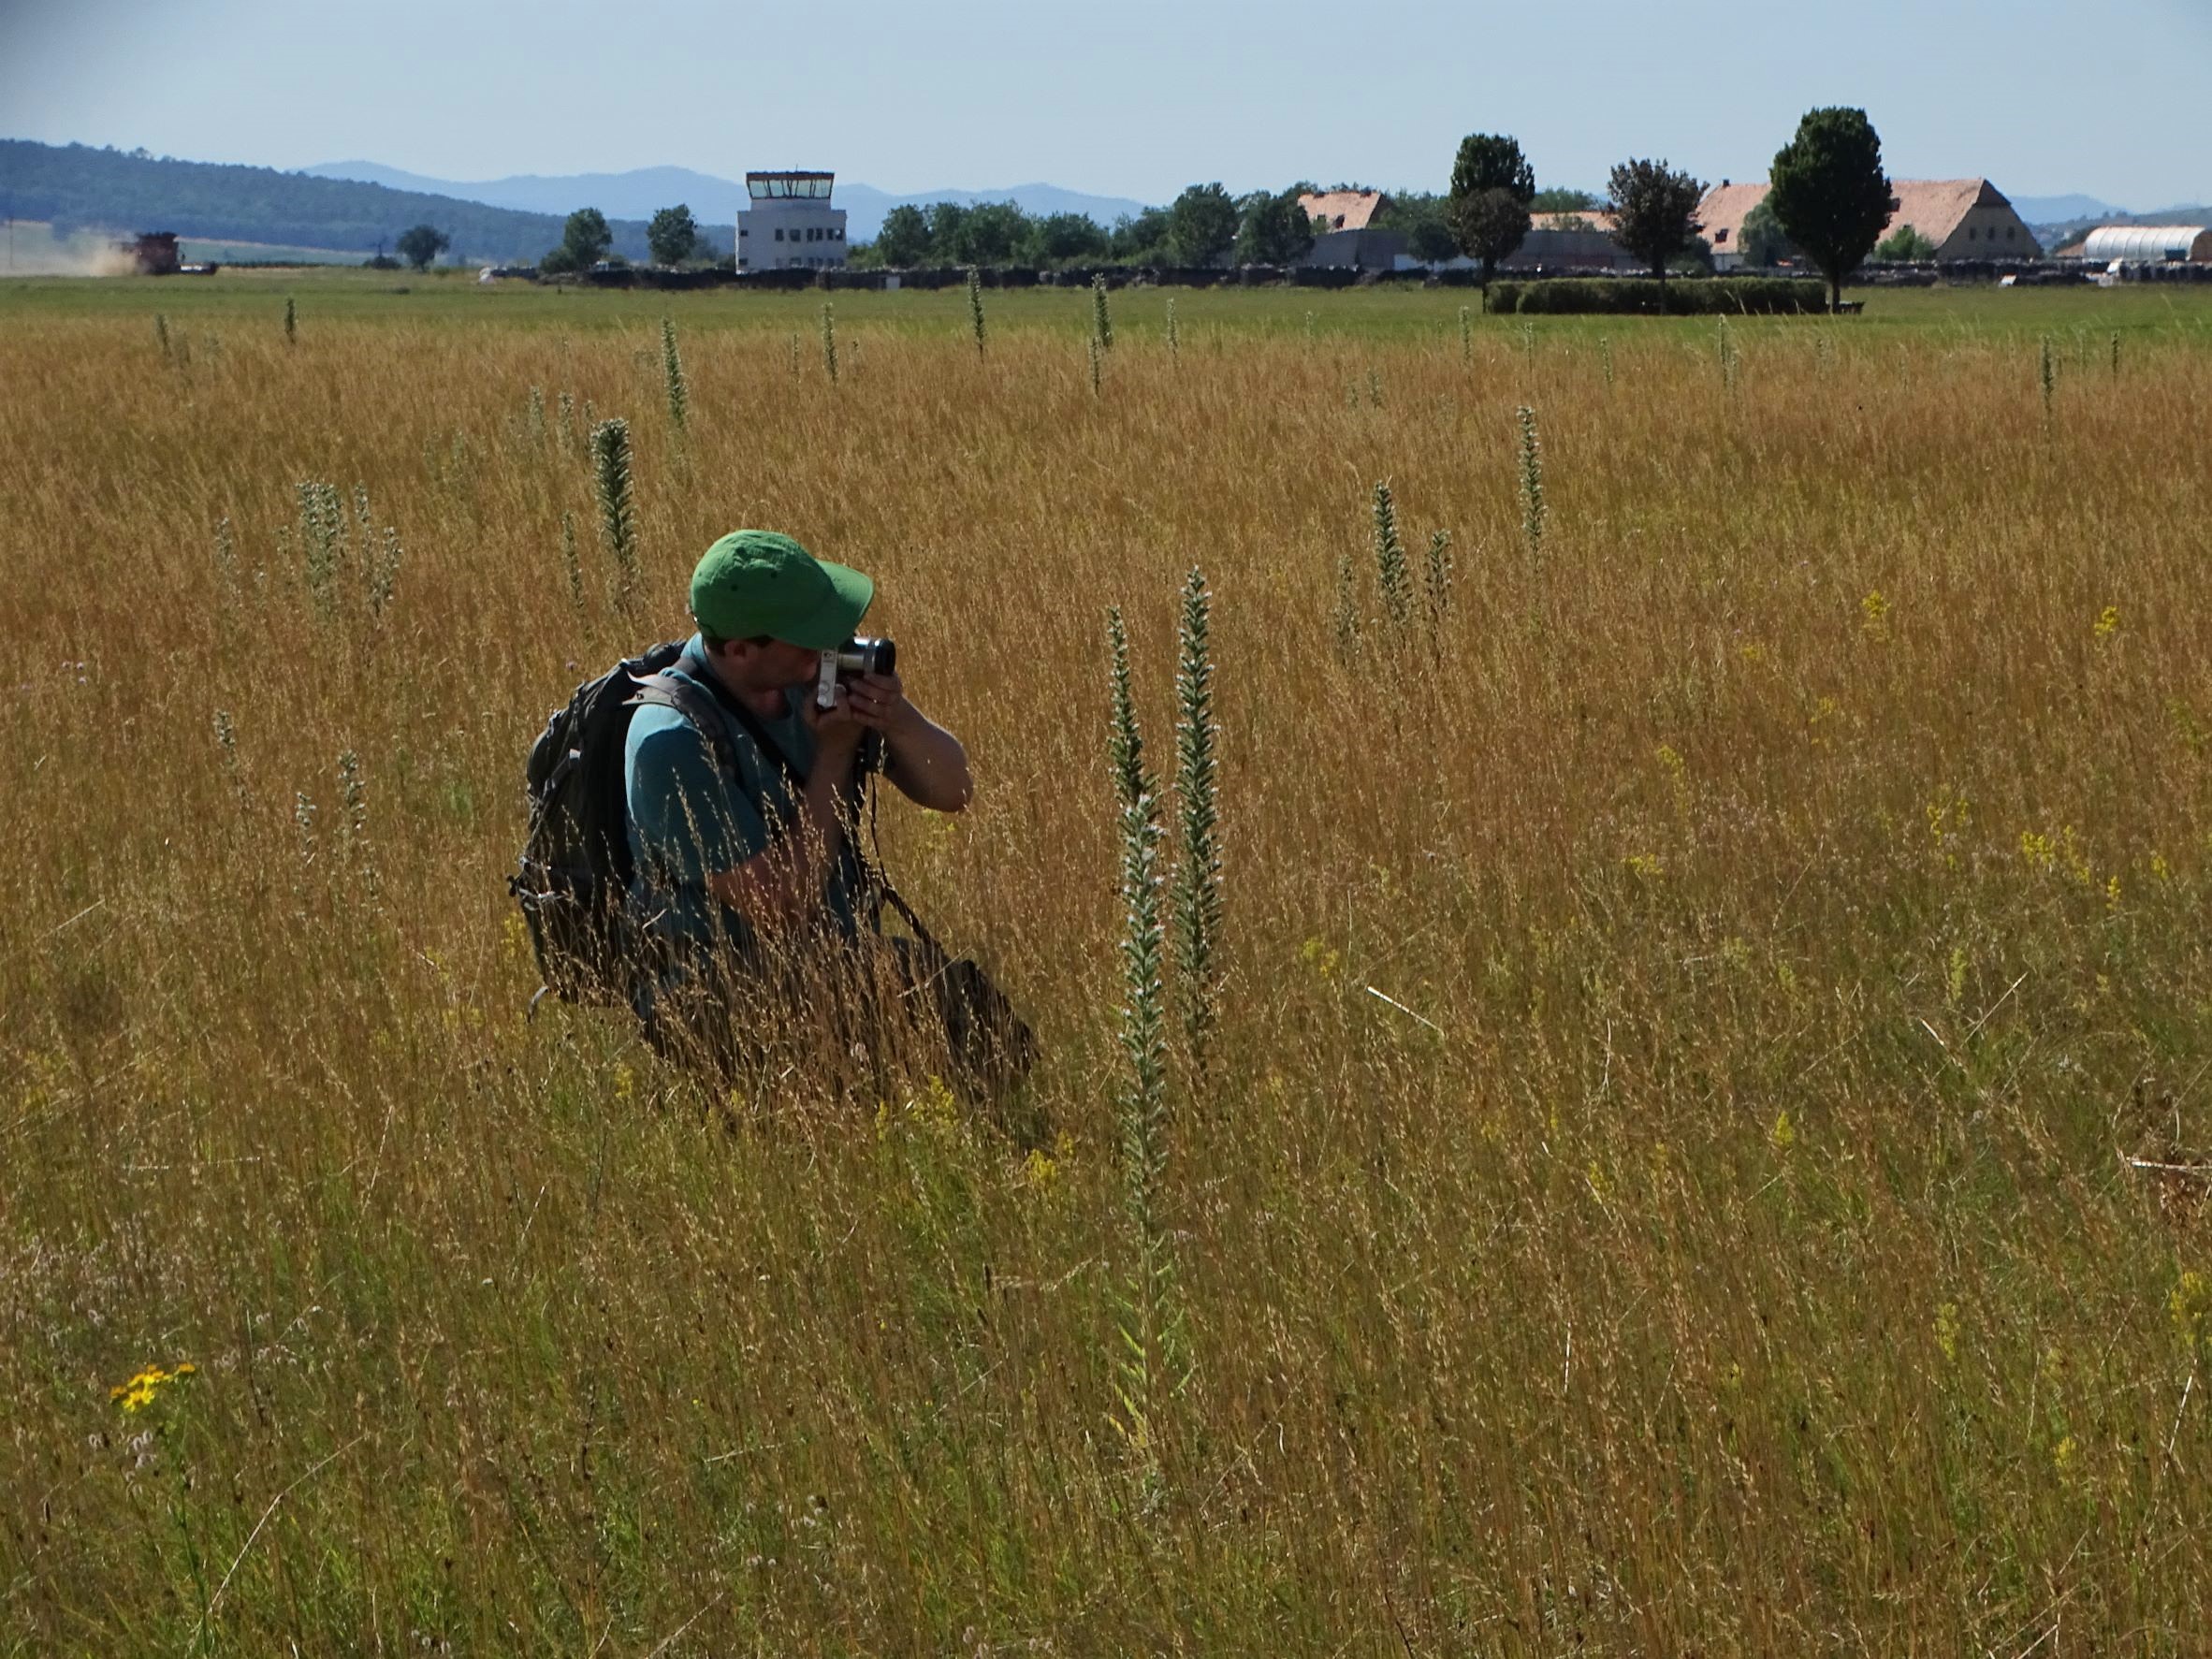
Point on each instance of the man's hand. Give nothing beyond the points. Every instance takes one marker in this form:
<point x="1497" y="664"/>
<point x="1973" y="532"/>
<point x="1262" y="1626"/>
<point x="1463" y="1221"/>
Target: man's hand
<point x="838" y="729"/>
<point x="879" y="703"/>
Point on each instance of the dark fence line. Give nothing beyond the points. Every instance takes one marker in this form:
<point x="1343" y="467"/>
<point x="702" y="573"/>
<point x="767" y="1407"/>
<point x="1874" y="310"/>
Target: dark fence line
<point x="1875" y="273"/>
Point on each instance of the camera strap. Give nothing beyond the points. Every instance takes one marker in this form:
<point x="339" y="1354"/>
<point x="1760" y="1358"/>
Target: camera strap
<point x="684" y="694"/>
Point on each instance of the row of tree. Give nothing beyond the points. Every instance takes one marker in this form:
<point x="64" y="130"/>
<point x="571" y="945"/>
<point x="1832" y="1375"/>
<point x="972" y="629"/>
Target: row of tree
<point x="1829" y="200"/>
<point x="1203" y="226"/>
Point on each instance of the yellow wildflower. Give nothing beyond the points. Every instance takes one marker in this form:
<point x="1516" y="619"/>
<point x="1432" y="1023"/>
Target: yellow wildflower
<point x="145" y="1388"/>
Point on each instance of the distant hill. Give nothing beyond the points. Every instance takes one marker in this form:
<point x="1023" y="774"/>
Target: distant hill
<point x="77" y="187"/>
<point x="2056" y="233"/>
<point x="713" y="201"/>
<point x="2061" y="210"/>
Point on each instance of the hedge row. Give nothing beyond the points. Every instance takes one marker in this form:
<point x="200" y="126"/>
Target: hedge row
<point x="1607" y="296"/>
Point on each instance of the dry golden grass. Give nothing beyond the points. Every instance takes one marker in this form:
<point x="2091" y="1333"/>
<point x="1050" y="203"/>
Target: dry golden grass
<point x="1803" y="868"/>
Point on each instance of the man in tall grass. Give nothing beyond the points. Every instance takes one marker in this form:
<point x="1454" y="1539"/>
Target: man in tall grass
<point x="748" y="880"/>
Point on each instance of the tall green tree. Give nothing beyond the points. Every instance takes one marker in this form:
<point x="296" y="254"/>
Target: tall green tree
<point x="995" y="231"/>
<point x="673" y="236"/>
<point x="1140" y="238"/>
<point x="1065" y="238"/>
<point x="1271" y="228"/>
<point x="1830" y="194"/>
<point x="421" y="244"/>
<point x="1762" y="240"/>
<point x="1419" y="216"/>
<point x="1491" y="187"/>
<point x="947" y="233"/>
<point x="583" y="242"/>
<point x="1904" y="242"/>
<point x="1202" y="226"/>
<point x="904" y="240"/>
<point x="1562" y="198"/>
<point x="1654" y="211"/>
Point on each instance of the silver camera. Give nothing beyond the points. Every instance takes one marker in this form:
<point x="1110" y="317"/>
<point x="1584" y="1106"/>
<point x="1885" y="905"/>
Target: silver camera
<point x="860" y="655"/>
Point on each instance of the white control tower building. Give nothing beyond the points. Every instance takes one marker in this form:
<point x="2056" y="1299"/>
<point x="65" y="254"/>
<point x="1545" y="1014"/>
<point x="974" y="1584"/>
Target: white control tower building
<point x="788" y="224"/>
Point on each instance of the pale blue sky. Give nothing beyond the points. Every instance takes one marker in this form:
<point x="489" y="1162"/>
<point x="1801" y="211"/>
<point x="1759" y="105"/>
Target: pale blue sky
<point x="1125" y="97"/>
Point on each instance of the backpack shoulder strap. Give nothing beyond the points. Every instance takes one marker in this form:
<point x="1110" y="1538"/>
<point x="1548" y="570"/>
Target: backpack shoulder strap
<point x="699" y="709"/>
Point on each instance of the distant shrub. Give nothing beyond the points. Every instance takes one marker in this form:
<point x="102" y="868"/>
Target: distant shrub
<point x="1607" y="295"/>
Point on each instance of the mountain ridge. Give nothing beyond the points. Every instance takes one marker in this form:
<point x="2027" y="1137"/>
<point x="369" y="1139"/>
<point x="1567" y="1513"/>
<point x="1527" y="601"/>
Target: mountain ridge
<point x="640" y="192"/>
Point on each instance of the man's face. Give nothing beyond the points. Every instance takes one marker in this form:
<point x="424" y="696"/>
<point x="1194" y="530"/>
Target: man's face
<point x="774" y="666"/>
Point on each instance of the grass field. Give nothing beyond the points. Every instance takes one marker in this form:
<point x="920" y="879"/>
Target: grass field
<point x="1768" y="1215"/>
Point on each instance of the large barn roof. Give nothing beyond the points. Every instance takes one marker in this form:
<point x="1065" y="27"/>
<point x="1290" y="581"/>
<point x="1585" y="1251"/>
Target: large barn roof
<point x="1933" y="207"/>
<point x="1345" y="210"/>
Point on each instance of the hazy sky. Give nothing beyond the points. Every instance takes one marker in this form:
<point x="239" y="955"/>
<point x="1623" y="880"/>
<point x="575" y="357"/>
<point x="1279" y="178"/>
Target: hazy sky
<point x="1126" y="98"/>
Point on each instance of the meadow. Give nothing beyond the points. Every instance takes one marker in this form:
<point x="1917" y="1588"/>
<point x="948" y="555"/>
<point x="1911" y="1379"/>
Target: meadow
<point x="1708" y="1145"/>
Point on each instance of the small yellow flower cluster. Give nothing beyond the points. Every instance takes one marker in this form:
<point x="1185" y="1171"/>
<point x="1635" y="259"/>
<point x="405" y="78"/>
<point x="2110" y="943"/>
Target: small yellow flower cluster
<point x="1319" y="957"/>
<point x="1783" y="1134"/>
<point x="144" y="1389"/>
<point x="2190" y="1305"/>
<point x="1645" y="865"/>
<point x="1946" y="1329"/>
<point x="2108" y="624"/>
<point x="1874" y="610"/>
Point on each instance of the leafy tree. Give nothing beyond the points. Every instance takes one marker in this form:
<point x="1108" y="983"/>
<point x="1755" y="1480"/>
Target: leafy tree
<point x="1138" y="239"/>
<point x="585" y="239"/>
<point x="948" y="232"/>
<point x="1065" y="238"/>
<point x="1272" y="229"/>
<point x="421" y="244"/>
<point x="995" y="230"/>
<point x="1762" y="239"/>
<point x="1431" y="241"/>
<point x="1654" y="211"/>
<point x="1202" y="226"/>
<point x="1491" y="187"/>
<point x="904" y="240"/>
<point x="1904" y="242"/>
<point x="1420" y="217"/>
<point x="1561" y="199"/>
<point x="1830" y="194"/>
<point x="673" y="235"/>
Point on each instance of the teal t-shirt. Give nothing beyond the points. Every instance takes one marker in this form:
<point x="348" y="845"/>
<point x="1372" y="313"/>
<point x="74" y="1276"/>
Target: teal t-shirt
<point x="691" y="817"/>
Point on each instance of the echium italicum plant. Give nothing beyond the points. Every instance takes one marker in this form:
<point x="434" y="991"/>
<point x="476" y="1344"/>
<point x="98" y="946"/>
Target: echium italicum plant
<point x="1390" y="559"/>
<point x="672" y="375"/>
<point x="1101" y="314"/>
<point x="1150" y="1363"/>
<point x="1196" y="890"/>
<point x="323" y="540"/>
<point x="1436" y="580"/>
<point x="1174" y="335"/>
<point x="291" y="321"/>
<point x="1532" y="490"/>
<point x="975" y="306"/>
<point x="829" y="342"/>
<point x="617" y="519"/>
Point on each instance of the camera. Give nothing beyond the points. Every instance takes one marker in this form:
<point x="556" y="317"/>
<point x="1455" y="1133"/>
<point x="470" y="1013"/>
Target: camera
<point x="860" y="655"/>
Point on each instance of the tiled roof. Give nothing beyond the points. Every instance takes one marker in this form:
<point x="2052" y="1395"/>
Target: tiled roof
<point x="1345" y="210"/>
<point x="1933" y="207"/>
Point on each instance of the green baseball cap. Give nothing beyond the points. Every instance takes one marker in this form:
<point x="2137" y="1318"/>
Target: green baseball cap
<point x="758" y="581"/>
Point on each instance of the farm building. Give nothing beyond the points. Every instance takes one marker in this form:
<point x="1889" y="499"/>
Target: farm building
<point x="1964" y="218"/>
<point x="788" y="224"/>
<point x="1352" y="241"/>
<point x="1570" y="241"/>
<point x="1345" y="210"/>
<point x="2154" y="244"/>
